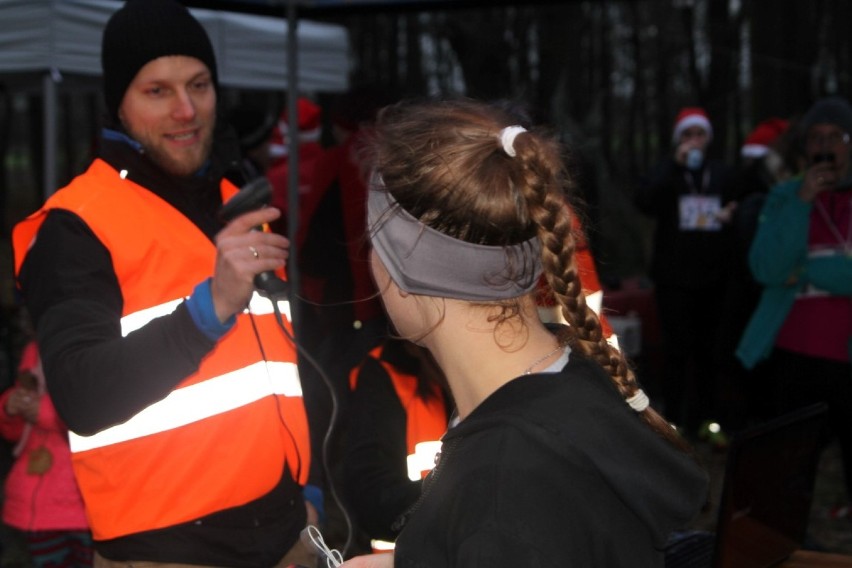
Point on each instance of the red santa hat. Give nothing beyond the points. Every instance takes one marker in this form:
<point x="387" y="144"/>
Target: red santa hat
<point x="689" y="117"/>
<point x="764" y="135"/>
<point x="309" y="115"/>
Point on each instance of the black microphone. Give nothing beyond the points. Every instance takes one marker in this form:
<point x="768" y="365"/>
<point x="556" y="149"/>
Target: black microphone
<point x="254" y="195"/>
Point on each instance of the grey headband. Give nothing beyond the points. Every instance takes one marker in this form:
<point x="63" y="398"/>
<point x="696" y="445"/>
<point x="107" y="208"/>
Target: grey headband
<point x="421" y="260"/>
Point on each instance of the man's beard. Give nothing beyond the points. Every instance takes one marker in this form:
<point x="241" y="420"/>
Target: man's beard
<point x="179" y="168"/>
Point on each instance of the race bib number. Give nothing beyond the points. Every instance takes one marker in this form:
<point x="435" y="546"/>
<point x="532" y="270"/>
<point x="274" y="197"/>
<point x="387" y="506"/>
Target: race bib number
<point x="700" y="212"/>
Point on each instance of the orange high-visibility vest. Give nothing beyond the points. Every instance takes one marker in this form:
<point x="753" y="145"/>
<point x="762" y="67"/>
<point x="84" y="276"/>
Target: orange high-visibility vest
<point x="224" y="435"/>
<point x="426" y="420"/>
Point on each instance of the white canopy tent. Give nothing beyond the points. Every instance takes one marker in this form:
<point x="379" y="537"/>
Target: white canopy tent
<point x="43" y="41"/>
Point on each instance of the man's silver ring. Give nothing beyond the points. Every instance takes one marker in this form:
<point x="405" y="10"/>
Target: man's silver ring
<point x="254" y="252"/>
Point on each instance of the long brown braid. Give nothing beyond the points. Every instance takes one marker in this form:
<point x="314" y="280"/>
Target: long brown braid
<point x="444" y="163"/>
<point x="544" y="192"/>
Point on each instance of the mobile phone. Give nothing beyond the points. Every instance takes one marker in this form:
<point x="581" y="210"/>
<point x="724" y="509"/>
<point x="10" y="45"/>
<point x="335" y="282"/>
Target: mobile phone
<point x="252" y="196"/>
<point x="823" y="157"/>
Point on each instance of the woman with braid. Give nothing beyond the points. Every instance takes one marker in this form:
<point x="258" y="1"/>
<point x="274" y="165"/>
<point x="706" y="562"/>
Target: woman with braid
<point x="557" y="459"/>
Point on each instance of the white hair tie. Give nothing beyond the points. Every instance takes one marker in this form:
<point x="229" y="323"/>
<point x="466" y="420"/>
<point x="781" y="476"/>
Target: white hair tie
<point x="639" y="401"/>
<point x="507" y="138"/>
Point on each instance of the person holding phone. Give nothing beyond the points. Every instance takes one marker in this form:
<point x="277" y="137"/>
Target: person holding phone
<point x="802" y="254"/>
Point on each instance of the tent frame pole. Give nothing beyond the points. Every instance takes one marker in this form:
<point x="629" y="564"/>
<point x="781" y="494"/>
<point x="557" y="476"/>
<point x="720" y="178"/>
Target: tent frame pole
<point x="293" y="152"/>
<point x="50" y="89"/>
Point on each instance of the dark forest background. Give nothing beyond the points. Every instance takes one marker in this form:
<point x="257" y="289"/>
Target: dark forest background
<point x="608" y="76"/>
<point x="613" y="73"/>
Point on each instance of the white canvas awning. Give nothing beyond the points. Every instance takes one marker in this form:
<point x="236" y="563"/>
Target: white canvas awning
<point x="251" y="50"/>
<point x="44" y="42"/>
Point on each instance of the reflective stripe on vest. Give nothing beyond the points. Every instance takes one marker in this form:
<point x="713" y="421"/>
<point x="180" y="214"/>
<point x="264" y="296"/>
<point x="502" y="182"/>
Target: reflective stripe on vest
<point x="201" y="400"/>
<point x="422" y="460"/>
<point x="426" y="423"/>
<point x="224" y="435"/>
<point x="257" y="306"/>
<point x="426" y="420"/>
<point x="380" y="546"/>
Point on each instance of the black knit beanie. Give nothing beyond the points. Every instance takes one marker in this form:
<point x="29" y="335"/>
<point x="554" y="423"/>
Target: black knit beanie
<point x="829" y="110"/>
<point x="141" y="31"/>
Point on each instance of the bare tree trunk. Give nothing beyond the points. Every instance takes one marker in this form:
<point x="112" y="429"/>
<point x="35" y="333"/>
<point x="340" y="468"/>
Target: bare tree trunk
<point x="784" y="48"/>
<point x="478" y="39"/>
<point x="638" y="129"/>
<point x="35" y="116"/>
<point x="741" y="110"/>
<point x="721" y="87"/>
<point x="688" y="22"/>
<point x="522" y="25"/>
<point x="558" y="53"/>
<point x="415" y="80"/>
<point x="603" y="85"/>
<point x="392" y="50"/>
<point x="838" y="43"/>
<point x="67" y="148"/>
<point x="664" y="69"/>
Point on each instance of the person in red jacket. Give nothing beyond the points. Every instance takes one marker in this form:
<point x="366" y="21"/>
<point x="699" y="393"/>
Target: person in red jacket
<point x="41" y="496"/>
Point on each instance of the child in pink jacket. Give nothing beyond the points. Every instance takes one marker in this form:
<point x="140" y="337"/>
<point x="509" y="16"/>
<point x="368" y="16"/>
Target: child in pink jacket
<point x="41" y="495"/>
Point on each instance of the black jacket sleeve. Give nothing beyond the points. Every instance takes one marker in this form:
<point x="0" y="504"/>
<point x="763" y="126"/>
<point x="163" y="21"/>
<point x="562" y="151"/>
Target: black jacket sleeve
<point x="96" y="377"/>
<point x="377" y="480"/>
<point x="657" y="189"/>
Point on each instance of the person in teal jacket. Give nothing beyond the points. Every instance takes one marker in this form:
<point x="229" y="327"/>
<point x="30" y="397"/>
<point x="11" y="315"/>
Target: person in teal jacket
<point x="802" y="254"/>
